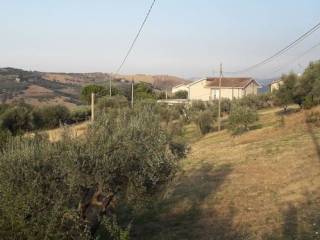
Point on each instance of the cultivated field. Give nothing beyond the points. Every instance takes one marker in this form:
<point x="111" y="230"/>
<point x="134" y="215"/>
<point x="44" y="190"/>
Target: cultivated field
<point x="264" y="184"/>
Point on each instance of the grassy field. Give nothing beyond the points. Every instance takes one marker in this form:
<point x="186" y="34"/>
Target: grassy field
<point x="264" y="184"/>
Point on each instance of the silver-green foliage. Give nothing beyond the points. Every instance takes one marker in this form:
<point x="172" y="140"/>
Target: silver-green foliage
<point x="241" y="118"/>
<point x="66" y="190"/>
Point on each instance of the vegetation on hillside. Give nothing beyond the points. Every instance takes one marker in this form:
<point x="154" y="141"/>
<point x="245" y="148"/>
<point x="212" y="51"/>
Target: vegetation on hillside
<point x="122" y="180"/>
<point x="303" y="90"/>
<point x="73" y="189"/>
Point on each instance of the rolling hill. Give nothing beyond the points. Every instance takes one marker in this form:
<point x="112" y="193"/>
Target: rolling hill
<point x="43" y="88"/>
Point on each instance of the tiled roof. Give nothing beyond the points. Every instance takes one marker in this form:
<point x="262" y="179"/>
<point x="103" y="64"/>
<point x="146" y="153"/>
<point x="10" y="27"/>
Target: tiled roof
<point x="229" y="82"/>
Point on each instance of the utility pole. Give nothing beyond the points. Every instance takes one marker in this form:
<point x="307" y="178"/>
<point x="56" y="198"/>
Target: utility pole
<point x="92" y="107"/>
<point x="219" y="109"/>
<point x="132" y="82"/>
<point x="110" y="77"/>
<point x="166" y="93"/>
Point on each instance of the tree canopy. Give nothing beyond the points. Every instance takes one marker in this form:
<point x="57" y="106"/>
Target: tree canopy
<point x="72" y="189"/>
<point x="89" y="89"/>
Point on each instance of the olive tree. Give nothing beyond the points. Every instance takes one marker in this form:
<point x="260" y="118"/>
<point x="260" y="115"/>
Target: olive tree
<point x="70" y="189"/>
<point x="241" y="117"/>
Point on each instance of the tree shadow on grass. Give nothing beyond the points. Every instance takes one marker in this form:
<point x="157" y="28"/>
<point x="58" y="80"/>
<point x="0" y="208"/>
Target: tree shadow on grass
<point x="288" y="112"/>
<point x="300" y="222"/>
<point x="180" y="216"/>
<point x="314" y="138"/>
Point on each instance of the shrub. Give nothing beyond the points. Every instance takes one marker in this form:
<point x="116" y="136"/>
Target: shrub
<point x="143" y="91"/>
<point x="181" y="94"/>
<point x="175" y="128"/>
<point x="168" y="113"/>
<point x="107" y="102"/>
<point x="50" y="116"/>
<point x="197" y="106"/>
<point x="204" y="122"/>
<point x="308" y="102"/>
<point x="5" y="136"/>
<point x="17" y="119"/>
<point x="314" y="118"/>
<point x="71" y="189"/>
<point x="225" y="107"/>
<point x="260" y="101"/>
<point x="241" y="117"/>
<point x="79" y="115"/>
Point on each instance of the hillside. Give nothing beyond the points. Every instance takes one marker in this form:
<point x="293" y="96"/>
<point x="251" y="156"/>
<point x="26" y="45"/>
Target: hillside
<point x="264" y="184"/>
<point x="158" y="81"/>
<point x="40" y="88"/>
<point x="32" y="88"/>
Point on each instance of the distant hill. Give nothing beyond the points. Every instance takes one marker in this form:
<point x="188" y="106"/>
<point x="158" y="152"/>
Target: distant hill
<point x="42" y="88"/>
<point x="158" y="81"/>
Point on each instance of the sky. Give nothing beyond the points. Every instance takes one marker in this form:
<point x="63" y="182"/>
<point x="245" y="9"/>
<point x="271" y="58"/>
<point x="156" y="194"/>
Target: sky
<point x="187" y="38"/>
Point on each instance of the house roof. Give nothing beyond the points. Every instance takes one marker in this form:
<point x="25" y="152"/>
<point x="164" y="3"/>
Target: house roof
<point x="230" y="82"/>
<point x="180" y="85"/>
<point x="276" y="81"/>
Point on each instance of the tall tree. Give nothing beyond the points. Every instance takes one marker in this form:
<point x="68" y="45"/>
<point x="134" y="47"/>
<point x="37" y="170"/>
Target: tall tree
<point x="286" y="93"/>
<point x="92" y="88"/>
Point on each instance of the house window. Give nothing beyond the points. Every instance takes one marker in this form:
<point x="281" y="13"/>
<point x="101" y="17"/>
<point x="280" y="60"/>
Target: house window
<point x="215" y="94"/>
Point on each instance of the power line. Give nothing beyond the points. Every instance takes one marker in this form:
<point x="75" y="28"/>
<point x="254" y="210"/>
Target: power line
<point x="298" y="57"/>
<point x="282" y="51"/>
<point x="136" y="37"/>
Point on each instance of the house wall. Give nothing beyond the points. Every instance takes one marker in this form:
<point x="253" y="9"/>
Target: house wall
<point x="179" y="88"/>
<point x="197" y="91"/>
<point x="275" y="86"/>
<point x="252" y="88"/>
<point x="229" y="93"/>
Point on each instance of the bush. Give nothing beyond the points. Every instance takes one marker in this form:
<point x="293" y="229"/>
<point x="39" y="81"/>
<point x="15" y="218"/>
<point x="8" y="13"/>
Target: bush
<point x="168" y="113"/>
<point x="79" y="115"/>
<point x="107" y="102"/>
<point x="225" y="107"/>
<point x="50" y="116"/>
<point x="181" y="94"/>
<point x="17" y="119"/>
<point x="308" y="102"/>
<point x="143" y="91"/>
<point x="197" y="106"/>
<point x="260" y="101"/>
<point x="241" y="117"/>
<point x="204" y="122"/>
<point x="175" y="128"/>
<point x="5" y="136"/>
<point x="314" y="118"/>
<point x="71" y="189"/>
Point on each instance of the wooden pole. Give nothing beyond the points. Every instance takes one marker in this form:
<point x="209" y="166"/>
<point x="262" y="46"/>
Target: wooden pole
<point x="92" y="107"/>
<point x="110" y="93"/>
<point x="132" y="82"/>
<point x="219" y="109"/>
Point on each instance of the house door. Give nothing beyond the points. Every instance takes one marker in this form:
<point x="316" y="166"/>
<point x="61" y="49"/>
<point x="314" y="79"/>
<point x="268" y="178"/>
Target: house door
<point x="215" y="94"/>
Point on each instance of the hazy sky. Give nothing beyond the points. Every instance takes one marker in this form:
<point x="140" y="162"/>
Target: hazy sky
<point x="187" y="38"/>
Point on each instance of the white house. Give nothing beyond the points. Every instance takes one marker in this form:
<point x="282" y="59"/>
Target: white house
<point x="180" y="87"/>
<point x="275" y="85"/>
<point x="208" y="88"/>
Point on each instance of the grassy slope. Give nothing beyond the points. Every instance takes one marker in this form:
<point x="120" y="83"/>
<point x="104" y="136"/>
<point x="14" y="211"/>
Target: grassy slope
<point x="264" y="184"/>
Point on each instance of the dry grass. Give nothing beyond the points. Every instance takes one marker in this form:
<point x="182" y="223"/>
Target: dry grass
<point x="41" y="96"/>
<point x="264" y="184"/>
<point x="75" y="131"/>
